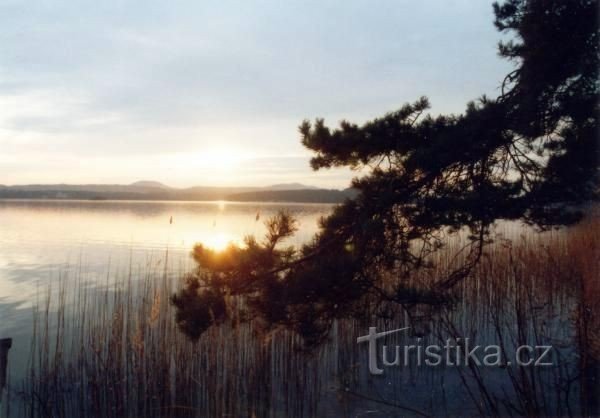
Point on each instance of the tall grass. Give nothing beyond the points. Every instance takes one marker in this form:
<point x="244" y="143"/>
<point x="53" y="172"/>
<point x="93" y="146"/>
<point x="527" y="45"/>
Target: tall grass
<point x="116" y="351"/>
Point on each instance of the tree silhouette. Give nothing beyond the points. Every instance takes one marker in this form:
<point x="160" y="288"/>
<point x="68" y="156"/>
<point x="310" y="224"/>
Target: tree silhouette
<point x="531" y="154"/>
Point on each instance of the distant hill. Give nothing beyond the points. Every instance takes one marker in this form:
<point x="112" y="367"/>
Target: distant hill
<point x="146" y="183"/>
<point x="152" y="190"/>
<point x="291" y="186"/>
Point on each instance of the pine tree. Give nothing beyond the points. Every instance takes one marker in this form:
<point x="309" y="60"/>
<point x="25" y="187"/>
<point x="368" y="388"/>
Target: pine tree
<point x="530" y="154"/>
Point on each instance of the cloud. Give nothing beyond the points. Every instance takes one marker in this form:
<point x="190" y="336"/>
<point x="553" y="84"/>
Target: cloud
<point x="114" y="79"/>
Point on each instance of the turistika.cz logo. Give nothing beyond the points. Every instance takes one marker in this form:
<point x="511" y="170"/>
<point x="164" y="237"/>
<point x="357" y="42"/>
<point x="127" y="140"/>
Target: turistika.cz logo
<point x="455" y="352"/>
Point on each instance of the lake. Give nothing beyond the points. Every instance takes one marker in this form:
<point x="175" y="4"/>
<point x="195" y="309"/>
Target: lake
<point x="42" y="240"/>
<point x="86" y="253"/>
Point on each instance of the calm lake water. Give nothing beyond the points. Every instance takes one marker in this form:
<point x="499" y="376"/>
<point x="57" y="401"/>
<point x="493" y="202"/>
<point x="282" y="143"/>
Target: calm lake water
<point x="41" y="241"/>
<point x="514" y="297"/>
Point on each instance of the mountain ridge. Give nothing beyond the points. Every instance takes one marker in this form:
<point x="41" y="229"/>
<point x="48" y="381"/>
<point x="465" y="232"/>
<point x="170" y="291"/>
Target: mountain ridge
<point x="152" y="190"/>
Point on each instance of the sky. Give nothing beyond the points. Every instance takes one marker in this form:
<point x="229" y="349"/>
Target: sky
<point x="212" y="92"/>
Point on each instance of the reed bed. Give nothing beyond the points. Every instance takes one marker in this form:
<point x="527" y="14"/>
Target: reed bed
<point x="115" y="351"/>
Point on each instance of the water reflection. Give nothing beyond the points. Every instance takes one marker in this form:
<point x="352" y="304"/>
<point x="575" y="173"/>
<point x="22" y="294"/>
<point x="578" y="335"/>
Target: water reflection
<point x="538" y="290"/>
<point x="41" y="240"/>
<point x="145" y="224"/>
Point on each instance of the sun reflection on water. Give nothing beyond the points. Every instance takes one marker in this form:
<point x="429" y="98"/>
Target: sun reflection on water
<point x="219" y="241"/>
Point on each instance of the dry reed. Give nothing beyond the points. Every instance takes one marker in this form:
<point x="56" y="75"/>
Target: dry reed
<point x="116" y="351"/>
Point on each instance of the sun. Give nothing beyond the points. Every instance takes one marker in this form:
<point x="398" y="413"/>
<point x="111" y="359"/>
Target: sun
<point x="220" y="159"/>
<point x="217" y="165"/>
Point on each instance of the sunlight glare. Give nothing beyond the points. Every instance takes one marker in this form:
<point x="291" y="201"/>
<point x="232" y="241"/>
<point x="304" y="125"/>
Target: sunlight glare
<point x="220" y="159"/>
<point x="218" y="241"/>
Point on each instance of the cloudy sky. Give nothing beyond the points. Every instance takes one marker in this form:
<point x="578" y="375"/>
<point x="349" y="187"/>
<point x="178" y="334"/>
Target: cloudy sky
<point x="211" y="92"/>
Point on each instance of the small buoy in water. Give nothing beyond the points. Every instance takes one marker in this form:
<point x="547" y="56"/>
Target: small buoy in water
<point x="171" y="221"/>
